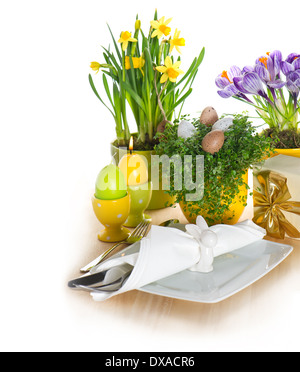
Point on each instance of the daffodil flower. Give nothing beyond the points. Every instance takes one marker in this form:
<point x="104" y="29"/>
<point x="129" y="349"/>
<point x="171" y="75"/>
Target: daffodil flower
<point x="177" y="42"/>
<point x="138" y="62"/>
<point x="161" y="27"/>
<point x="95" y="66"/>
<point x="125" y="38"/>
<point x="170" y="71"/>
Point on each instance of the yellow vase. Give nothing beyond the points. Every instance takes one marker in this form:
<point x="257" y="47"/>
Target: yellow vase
<point x="112" y="214"/>
<point x="230" y="217"/>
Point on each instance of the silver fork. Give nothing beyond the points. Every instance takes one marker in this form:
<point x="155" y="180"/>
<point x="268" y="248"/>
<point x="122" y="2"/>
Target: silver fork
<point x="139" y="232"/>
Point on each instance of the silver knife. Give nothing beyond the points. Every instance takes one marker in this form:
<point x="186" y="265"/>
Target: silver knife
<point x="104" y="280"/>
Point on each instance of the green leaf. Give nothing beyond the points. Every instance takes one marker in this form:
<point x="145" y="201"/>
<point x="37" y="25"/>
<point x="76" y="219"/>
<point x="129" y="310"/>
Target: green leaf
<point x="116" y="45"/>
<point x="182" y="99"/>
<point x="133" y="94"/>
<point x="118" y="108"/>
<point x="113" y="60"/>
<point x="106" y="87"/>
<point x="97" y="94"/>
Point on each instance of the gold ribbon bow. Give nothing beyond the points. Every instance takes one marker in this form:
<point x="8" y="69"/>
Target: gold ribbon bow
<point x="271" y="202"/>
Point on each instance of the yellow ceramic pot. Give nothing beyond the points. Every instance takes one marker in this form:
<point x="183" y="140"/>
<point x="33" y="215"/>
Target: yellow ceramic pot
<point x="290" y="152"/>
<point x="230" y="217"/>
<point x="112" y="214"/>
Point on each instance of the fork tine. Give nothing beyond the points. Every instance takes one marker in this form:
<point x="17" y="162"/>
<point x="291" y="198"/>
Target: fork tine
<point x="138" y="233"/>
<point x="137" y="229"/>
<point x="141" y="230"/>
<point x="146" y="229"/>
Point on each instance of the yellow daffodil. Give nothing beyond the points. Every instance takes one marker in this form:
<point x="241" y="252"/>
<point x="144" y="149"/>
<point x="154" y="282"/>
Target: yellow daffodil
<point x="161" y="27"/>
<point x="177" y="42"/>
<point x="169" y="70"/>
<point x="125" y="38"/>
<point x="95" y="66"/>
<point x="138" y="62"/>
<point x="137" y="25"/>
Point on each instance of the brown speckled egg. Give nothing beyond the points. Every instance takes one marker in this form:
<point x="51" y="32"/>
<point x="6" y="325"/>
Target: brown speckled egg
<point x="161" y="126"/>
<point x="213" y="141"/>
<point x="209" y="116"/>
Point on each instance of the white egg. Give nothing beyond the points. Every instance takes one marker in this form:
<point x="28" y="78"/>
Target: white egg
<point x="223" y="124"/>
<point x="185" y="129"/>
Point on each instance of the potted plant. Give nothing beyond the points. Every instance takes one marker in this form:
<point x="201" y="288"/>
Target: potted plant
<point x="142" y="76"/>
<point x="273" y="85"/>
<point x="225" y="182"/>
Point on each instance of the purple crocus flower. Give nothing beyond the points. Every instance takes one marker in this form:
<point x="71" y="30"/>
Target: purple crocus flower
<point x="291" y="64"/>
<point x="251" y="83"/>
<point x="224" y="81"/>
<point x="293" y="83"/>
<point x="269" y="68"/>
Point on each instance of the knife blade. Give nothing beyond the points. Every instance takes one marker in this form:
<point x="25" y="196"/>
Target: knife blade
<point x="112" y="276"/>
<point x="88" y="280"/>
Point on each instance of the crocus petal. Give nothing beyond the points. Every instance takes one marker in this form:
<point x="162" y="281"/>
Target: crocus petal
<point x="291" y="57"/>
<point x="224" y="94"/>
<point x="247" y="69"/>
<point x="297" y="82"/>
<point x="233" y="72"/>
<point x="263" y="73"/>
<point x="294" y="75"/>
<point x="296" y="64"/>
<point x="259" y="61"/>
<point x="276" y="55"/>
<point x="292" y="87"/>
<point x="221" y="82"/>
<point x="252" y="83"/>
<point x="276" y="84"/>
<point x="238" y="84"/>
<point x="286" y="67"/>
<point x="228" y="92"/>
<point x="271" y="68"/>
<point x="293" y="82"/>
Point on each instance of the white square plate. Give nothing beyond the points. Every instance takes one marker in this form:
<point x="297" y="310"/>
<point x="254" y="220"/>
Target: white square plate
<point x="232" y="272"/>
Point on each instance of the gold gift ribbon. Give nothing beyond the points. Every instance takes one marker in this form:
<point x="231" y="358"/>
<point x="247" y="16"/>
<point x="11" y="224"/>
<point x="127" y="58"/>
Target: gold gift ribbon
<point x="271" y="202"/>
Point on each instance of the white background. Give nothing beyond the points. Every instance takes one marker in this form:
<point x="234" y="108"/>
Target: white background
<point x="55" y="138"/>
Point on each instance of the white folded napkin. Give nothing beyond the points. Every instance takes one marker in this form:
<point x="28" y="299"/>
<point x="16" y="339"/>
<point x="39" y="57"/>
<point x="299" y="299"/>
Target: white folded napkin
<point x="167" y="251"/>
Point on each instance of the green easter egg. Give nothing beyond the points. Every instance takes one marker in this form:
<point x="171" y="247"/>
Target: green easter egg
<point x="110" y="184"/>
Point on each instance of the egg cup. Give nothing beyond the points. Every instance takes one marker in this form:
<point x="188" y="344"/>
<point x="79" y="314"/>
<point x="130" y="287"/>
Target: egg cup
<point x="112" y="214"/>
<point x="140" y="196"/>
